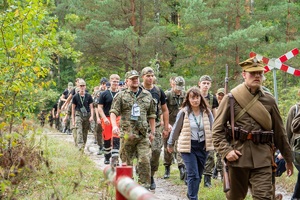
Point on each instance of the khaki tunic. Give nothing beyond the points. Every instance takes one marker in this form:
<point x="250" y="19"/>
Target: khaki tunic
<point x="253" y="155"/>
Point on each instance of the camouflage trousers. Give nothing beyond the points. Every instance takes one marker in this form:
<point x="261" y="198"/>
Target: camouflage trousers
<point x="210" y="164"/>
<point x="138" y="147"/>
<point x="96" y="129"/>
<point x="219" y="164"/>
<point x="82" y="126"/>
<point x="156" y="146"/>
<point x="168" y="157"/>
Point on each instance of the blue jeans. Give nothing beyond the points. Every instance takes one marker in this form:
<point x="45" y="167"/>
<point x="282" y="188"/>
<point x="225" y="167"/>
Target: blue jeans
<point x="296" y="194"/>
<point x="194" y="163"/>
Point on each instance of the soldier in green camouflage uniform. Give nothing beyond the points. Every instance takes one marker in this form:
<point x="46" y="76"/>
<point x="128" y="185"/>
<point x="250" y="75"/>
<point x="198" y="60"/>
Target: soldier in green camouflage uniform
<point x="137" y="110"/>
<point x="162" y="123"/>
<point x="96" y="125"/>
<point x="219" y="165"/>
<point x="205" y="84"/>
<point x="175" y="98"/>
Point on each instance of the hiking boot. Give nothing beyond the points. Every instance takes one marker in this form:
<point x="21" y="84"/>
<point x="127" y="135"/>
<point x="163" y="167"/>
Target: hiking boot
<point x="167" y="172"/>
<point x="152" y="185"/>
<point x="215" y="173"/>
<point x="207" y="181"/>
<point x="106" y="161"/>
<point x="100" y="152"/>
<point x="114" y="161"/>
<point x="182" y="172"/>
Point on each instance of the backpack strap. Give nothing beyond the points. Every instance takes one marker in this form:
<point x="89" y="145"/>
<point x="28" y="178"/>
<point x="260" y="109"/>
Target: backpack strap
<point x="211" y="100"/>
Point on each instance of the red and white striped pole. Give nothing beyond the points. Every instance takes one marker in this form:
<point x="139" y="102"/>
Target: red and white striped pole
<point x="126" y="188"/>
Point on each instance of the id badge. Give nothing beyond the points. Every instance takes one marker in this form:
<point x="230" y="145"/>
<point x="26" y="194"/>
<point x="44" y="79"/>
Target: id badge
<point x="135" y="112"/>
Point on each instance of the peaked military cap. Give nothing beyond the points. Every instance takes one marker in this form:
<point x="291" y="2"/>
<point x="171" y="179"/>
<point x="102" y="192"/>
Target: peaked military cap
<point x="131" y="74"/>
<point x="252" y="65"/>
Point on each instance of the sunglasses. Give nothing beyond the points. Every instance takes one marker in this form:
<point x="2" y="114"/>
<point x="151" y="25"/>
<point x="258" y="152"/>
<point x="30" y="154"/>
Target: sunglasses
<point x="82" y="85"/>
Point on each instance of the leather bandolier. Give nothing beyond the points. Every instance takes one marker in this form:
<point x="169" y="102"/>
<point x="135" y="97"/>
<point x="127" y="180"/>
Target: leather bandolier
<point x="257" y="136"/>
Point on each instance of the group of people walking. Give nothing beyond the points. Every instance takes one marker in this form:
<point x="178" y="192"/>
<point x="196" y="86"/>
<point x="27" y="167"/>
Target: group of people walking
<point x="138" y="121"/>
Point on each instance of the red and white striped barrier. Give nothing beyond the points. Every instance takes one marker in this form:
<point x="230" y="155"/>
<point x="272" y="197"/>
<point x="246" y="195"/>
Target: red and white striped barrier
<point x="279" y="62"/>
<point x="126" y="188"/>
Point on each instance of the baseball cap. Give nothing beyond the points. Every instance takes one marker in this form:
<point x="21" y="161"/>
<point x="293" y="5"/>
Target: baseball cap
<point x="121" y="83"/>
<point x="103" y="80"/>
<point x="205" y="78"/>
<point x="131" y="74"/>
<point x="147" y="70"/>
<point x="252" y="65"/>
<point x="179" y="83"/>
<point x="221" y="90"/>
<point x="81" y="82"/>
<point x="70" y="84"/>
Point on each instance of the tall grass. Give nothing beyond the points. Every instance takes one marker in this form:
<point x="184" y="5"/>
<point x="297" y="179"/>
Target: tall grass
<point x="65" y="173"/>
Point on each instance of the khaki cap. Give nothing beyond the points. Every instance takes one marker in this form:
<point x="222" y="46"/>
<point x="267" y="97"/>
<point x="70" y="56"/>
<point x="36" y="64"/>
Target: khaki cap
<point x="81" y="82"/>
<point x="221" y="90"/>
<point x="252" y="65"/>
<point x="131" y="74"/>
<point x="147" y="70"/>
<point x="205" y="78"/>
<point x="179" y="83"/>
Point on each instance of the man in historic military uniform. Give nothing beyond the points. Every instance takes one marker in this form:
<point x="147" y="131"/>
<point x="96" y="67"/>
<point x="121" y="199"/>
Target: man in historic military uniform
<point x="161" y="122"/>
<point x="204" y="85"/>
<point x="247" y="145"/>
<point x="137" y="110"/>
<point x="175" y="98"/>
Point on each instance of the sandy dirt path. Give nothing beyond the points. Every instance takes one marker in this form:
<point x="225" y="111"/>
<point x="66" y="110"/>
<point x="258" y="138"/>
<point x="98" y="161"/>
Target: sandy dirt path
<point x="165" y="189"/>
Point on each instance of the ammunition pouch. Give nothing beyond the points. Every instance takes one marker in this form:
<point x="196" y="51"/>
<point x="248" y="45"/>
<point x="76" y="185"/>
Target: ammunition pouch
<point x="258" y="136"/>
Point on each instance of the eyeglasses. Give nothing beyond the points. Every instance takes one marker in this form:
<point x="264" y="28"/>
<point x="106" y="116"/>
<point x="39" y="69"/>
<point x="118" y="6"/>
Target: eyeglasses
<point x="82" y="85"/>
<point x="259" y="73"/>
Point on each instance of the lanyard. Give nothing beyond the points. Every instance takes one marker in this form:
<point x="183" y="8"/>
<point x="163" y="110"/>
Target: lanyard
<point x="112" y="94"/>
<point x="195" y="119"/>
<point x="135" y="95"/>
<point x="177" y="100"/>
<point x="82" y="100"/>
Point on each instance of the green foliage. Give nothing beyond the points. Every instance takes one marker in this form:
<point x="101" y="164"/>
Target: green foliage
<point x="27" y="37"/>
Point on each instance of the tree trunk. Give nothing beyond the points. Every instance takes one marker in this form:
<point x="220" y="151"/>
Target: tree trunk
<point x="237" y="27"/>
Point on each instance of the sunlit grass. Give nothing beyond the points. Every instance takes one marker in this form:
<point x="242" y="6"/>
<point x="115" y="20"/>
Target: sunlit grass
<point x="65" y="173"/>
